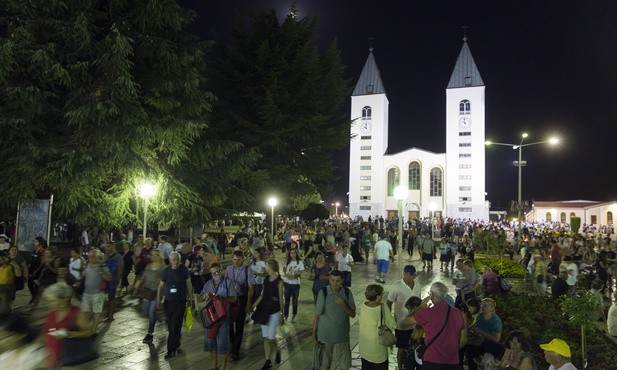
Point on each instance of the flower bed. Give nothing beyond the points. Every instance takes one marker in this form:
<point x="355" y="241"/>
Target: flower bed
<point x="507" y="268"/>
<point x="541" y="319"/>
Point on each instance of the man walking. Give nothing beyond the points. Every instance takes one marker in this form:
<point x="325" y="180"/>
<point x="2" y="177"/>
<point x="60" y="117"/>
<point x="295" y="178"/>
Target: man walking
<point x="242" y="277"/>
<point x="335" y="306"/>
<point x="383" y="252"/>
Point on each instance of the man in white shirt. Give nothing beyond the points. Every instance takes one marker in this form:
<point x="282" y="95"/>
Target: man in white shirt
<point x="344" y="260"/>
<point x="383" y="251"/>
<point x="400" y="292"/>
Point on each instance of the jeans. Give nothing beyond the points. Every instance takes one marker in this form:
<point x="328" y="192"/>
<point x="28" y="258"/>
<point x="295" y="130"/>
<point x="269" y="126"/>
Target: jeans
<point x="174" y="314"/>
<point x="149" y="308"/>
<point x="292" y="291"/>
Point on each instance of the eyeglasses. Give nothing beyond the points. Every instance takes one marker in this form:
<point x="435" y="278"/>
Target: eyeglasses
<point x="215" y="273"/>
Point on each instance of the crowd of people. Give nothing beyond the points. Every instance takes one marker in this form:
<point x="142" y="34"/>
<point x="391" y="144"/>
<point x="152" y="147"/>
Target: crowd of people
<point x="463" y="330"/>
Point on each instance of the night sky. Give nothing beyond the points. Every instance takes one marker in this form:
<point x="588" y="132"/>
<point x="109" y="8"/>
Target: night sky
<point x="550" y="68"/>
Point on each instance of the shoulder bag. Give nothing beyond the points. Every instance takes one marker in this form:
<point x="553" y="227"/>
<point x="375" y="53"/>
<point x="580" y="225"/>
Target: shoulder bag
<point x="420" y="348"/>
<point x="386" y="336"/>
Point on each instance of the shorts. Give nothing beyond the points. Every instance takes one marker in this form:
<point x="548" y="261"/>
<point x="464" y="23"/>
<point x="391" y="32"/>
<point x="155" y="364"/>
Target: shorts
<point x="269" y="330"/>
<point x="427" y="256"/>
<point x="402" y="338"/>
<point x="382" y="266"/>
<point x="220" y="344"/>
<point x="336" y="356"/>
<point x="92" y="302"/>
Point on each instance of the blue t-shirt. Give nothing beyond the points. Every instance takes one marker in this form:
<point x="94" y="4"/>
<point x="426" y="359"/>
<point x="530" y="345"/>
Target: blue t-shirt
<point x="492" y="325"/>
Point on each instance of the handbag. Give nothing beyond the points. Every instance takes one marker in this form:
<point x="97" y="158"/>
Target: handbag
<point x="317" y="356"/>
<point x="213" y="312"/>
<point x="188" y="317"/>
<point x="147" y="294"/>
<point x="261" y="315"/>
<point x="421" y="348"/>
<point x="386" y="336"/>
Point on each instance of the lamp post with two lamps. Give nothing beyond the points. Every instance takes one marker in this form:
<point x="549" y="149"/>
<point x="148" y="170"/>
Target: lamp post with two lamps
<point x="336" y="205"/>
<point x="520" y="163"/>
<point x="146" y="191"/>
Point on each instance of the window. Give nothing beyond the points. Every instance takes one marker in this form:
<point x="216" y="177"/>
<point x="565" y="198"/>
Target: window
<point x="393" y="180"/>
<point x="464" y="133"/>
<point x="464" y="209"/>
<point x="365" y="137"/>
<point x="464" y="188"/>
<point x="464" y="177"/>
<point x="365" y="157"/>
<point x="365" y="147"/>
<point x="365" y="177"/>
<point x="414" y="176"/>
<point x="365" y="197"/>
<point x="548" y="217"/>
<point x="367" y="112"/>
<point x="594" y="219"/>
<point x="464" y="166"/>
<point x="365" y="168"/>
<point x="365" y="208"/>
<point x="609" y="218"/>
<point x="464" y="199"/>
<point x="365" y="188"/>
<point x="468" y="81"/>
<point x="464" y="155"/>
<point x="436" y="182"/>
<point x="465" y="105"/>
<point x="464" y="145"/>
<point x="572" y="215"/>
<point x="562" y="217"/>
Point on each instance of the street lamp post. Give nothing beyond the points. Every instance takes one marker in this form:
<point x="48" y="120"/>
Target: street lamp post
<point x="336" y="205"/>
<point x="272" y="202"/>
<point x="400" y="193"/>
<point x="146" y="191"/>
<point x="520" y="163"/>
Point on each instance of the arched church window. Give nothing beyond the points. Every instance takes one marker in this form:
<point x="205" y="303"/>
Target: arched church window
<point x="414" y="176"/>
<point x="549" y="218"/>
<point x="393" y="180"/>
<point x="609" y="218"/>
<point x="464" y="107"/>
<point x="436" y="182"/>
<point x="562" y="217"/>
<point x="367" y="112"/>
<point x="572" y="215"/>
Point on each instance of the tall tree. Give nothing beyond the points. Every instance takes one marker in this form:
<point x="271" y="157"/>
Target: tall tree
<point x="99" y="95"/>
<point x="279" y="94"/>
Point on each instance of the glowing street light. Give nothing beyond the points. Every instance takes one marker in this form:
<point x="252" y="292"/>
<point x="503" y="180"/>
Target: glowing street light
<point x="146" y="191"/>
<point x="336" y="205"/>
<point x="520" y="163"/>
<point x="272" y="202"/>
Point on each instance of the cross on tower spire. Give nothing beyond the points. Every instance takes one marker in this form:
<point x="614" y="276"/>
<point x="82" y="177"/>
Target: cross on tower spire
<point x="465" y="27"/>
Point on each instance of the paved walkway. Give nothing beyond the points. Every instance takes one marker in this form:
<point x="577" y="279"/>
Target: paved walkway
<point x="121" y="344"/>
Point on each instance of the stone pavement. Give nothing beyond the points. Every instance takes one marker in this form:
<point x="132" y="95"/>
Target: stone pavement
<point x="121" y="344"/>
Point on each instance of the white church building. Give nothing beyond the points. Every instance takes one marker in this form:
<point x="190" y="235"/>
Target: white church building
<point x="450" y="184"/>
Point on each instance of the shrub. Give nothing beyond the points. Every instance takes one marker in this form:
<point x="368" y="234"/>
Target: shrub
<point x="506" y="267"/>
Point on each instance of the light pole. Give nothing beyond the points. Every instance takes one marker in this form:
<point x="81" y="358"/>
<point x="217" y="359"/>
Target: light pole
<point x="272" y="202"/>
<point x="400" y="193"/>
<point x="336" y="205"/>
<point x="146" y="191"/>
<point x="520" y="163"/>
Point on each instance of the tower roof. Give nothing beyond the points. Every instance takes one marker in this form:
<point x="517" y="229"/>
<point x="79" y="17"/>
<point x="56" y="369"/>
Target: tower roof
<point x="370" y="79"/>
<point x="465" y="72"/>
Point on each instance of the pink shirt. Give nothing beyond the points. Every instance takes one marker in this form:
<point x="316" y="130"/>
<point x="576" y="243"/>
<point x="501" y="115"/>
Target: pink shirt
<point x="444" y="350"/>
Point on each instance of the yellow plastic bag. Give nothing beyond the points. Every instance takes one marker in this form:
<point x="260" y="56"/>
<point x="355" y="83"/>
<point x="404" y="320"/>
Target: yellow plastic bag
<point x="188" y="317"/>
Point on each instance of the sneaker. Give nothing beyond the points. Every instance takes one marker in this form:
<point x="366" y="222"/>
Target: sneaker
<point x="267" y="365"/>
<point x="382" y="281"/>
<point x="293" y="318"/>
<point x="148" y="338"/>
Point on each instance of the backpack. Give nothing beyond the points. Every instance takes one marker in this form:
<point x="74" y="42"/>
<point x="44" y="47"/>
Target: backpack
<point x="504" y="285"/>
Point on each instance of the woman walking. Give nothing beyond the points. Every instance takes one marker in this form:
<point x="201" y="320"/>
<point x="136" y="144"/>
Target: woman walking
<point x="293" y="268"/>
<point x="259" y="272"/>
<point x="146" y="289"/>
<point x="374" y="314"/>
<point x="271" y="303"/>
<point x="320" y="273"/>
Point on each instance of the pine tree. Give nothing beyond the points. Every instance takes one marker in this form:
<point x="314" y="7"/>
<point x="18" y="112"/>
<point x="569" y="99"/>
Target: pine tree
<point x="280" y="95"/>
<point x="97" y="96"/>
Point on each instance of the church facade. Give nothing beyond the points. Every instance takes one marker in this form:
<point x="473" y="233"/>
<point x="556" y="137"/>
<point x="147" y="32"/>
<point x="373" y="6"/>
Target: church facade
<point x="450" y="184"/>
